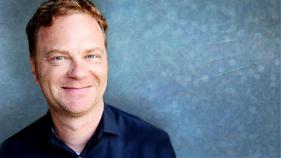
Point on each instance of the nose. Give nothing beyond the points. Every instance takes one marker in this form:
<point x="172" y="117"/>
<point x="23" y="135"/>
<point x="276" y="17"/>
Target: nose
<point x="77" y="70"/>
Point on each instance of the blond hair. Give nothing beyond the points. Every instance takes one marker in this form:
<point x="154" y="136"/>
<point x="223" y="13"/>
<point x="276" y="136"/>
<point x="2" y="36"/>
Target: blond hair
<point x="53" y="8"/>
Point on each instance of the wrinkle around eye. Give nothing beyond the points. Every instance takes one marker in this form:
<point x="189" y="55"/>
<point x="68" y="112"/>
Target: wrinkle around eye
<point x="57" y="60"/>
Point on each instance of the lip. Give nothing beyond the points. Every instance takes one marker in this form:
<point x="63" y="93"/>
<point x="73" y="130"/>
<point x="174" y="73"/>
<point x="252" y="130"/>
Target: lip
<point x="77" y="90"/>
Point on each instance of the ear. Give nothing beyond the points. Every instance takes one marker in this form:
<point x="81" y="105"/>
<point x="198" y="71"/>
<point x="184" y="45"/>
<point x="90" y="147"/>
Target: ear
<point x="34" y="71"/>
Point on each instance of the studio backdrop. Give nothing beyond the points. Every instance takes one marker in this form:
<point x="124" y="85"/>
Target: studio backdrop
<point x="206" y="71"/>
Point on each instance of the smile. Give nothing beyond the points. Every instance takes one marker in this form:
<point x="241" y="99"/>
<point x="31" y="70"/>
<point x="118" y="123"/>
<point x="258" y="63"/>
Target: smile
<point x="77" y="90"/>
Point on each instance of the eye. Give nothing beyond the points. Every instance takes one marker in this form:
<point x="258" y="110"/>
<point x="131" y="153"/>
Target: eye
<point x="93" y="56"/>
<point x="56" y="58"/>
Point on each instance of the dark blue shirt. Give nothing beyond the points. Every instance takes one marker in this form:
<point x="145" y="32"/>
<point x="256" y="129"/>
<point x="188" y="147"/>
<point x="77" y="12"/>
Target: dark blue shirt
<point x="119" y="135"/>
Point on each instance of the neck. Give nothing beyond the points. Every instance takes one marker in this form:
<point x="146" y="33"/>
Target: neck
<point x="76" y="131"/>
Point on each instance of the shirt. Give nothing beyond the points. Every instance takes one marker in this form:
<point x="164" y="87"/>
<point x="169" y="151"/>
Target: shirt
<point x="118" y="135"/>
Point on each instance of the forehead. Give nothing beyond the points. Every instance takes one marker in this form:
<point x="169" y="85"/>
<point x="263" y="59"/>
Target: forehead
<point x="73" y="20"/>
<point x="70" y="30"/>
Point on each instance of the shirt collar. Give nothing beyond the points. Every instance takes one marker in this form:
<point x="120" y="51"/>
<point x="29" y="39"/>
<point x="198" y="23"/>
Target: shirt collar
<point x="110" y="121"/>
<point x="108" y="124"/>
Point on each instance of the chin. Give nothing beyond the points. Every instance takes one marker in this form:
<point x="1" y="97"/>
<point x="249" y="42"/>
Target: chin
<point x="77" y="109"/>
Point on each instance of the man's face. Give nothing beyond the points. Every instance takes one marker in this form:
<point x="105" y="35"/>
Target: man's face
<point x="71" y="64"/>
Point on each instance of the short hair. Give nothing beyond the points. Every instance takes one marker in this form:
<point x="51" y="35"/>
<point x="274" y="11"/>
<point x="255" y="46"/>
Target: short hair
<point x="50" y="9"/>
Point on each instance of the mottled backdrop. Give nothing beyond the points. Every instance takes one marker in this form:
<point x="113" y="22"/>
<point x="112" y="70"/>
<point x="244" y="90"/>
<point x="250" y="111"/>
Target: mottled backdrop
<point x="206" y="71"/>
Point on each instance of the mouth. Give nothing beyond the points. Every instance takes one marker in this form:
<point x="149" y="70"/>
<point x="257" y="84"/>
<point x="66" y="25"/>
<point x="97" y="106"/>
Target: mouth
<point x="76" y="90"/>
<point x="82" y="87"/>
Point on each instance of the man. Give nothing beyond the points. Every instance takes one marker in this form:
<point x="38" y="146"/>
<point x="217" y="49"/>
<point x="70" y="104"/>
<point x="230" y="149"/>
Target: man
<point x="67" y="44"/>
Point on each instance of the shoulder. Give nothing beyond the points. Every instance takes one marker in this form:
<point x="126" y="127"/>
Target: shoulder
<point x="143" y="135"/>
<point x="131" y="123"/>
<point x="25" y="139"/>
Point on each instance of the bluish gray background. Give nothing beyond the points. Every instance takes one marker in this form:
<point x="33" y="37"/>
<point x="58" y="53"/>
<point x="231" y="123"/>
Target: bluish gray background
<point x="206" y="71"/>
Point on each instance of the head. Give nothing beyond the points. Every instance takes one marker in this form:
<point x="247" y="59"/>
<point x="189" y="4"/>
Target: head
<point x="51" y="9"/>
<point x="67" y="44"/>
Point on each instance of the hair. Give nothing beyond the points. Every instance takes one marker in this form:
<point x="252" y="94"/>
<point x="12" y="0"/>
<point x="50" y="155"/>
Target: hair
<point x="50" y="9"/>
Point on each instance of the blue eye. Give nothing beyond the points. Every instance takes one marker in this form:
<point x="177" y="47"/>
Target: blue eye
<point x="92" y="56"/>
<point x="58" y="58"/>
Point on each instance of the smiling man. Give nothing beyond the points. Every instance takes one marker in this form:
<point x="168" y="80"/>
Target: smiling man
<point x="68" y="56"/>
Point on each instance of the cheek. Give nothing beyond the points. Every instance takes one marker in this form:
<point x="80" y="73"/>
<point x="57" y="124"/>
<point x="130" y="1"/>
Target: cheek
<point x="51" y="74"/>
<point x="100" y="72"/>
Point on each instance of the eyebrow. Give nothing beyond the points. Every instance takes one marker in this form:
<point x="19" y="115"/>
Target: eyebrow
<point x="93" y="50"/>
<point x="87" y="51"/>
<point x="56" y="51"/>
